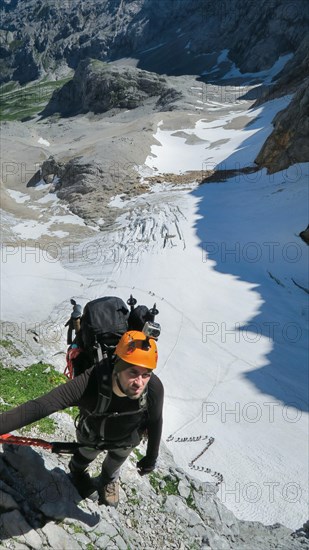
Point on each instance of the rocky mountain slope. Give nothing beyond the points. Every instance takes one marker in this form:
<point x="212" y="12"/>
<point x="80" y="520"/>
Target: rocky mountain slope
<point x="166" y="42"/>
<point x="168" y="509"/>
<point x="40" y="37"/>
<point x="289" y="141"/>
<point x="100" y="87"/>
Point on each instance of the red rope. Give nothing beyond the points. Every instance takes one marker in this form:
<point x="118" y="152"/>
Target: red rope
<point x="72" y="353"/>
<point x="20" y="440"/>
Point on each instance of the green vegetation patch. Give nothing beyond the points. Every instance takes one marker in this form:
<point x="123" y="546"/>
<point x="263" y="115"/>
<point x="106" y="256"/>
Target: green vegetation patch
<point x="21" y="102"/>
<point x="133" y="498"/>
<point x="171" y="486"/>
<point x="138" y="454"/>
<point x="191" y="501"/>
<point x="45" y="426"/>
<point x="15" y="44"/>
<point x="72" y="411"/>
<point x="168" y="487"/>
<point x="77" y="528"/>
<point x="17" y="387"/>
<point x="8" y="86"/>
<point x="155" y="480"/>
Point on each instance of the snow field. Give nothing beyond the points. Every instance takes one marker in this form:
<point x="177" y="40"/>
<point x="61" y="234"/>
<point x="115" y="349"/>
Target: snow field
<point x="219" y="261"/>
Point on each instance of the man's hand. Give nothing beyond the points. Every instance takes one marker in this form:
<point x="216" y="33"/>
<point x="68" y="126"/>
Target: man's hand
<point x="145" y="466"/>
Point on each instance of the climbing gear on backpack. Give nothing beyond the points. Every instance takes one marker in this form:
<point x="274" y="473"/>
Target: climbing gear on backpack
<point x="136" y="348"/>
<point x="74" y="322"/>
<point x="102" y="324"/>
<point x="72" y="354"/>
<point x="109" y="494"/>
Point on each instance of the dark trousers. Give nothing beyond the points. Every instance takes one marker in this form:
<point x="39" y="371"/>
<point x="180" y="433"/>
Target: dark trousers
<point x="111" y="464"/>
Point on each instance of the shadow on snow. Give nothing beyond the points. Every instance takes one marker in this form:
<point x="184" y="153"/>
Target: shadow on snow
<point x="246" y="237"/>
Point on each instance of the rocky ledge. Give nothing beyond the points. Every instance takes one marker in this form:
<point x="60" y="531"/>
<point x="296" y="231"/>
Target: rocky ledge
<point x="99" y="87"/>
<point x="167" y="509"/>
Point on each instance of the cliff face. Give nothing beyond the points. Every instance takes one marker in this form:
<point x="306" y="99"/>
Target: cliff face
<point x="41" y="37"/>
<point x="167" y="509"/>
<point x="289" y="142"/>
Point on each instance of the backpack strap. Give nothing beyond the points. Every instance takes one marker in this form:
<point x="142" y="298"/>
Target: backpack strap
<point x="104" y="375"/>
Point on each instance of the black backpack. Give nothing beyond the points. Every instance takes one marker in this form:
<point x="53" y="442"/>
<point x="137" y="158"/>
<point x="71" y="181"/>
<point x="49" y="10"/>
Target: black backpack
<point x="98" y="331"/>
<point x="102" y="324"/>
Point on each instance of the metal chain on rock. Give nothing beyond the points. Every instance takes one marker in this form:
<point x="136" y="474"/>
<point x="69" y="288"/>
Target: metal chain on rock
<point x="194" y="439"/>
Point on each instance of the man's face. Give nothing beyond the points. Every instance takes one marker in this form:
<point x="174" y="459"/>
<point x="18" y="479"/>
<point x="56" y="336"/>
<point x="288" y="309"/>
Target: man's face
<point x="134" y="380"/>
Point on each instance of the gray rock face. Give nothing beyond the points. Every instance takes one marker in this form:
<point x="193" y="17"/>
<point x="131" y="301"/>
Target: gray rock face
<point x="58" y="538"/>
<point x="178" y="37"/>
<point x="75" y="177"/>
<point x="99" y="87"/>
<point x="152" y="512"/>
<point x="295" y="72"/>
<point x="39" y="37"/>
<point x="289" y="142"/>
<point x="76" y="180"/>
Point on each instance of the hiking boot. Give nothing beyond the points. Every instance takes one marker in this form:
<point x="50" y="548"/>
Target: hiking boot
<point x="83" y="483"/>
<point x="109" y="494"/>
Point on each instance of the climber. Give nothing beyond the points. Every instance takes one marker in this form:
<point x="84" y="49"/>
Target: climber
<point x="134" y="404"/>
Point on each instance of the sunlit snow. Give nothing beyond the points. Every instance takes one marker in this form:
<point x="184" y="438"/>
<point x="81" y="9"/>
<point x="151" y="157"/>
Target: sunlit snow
<point x="225" y="266"/>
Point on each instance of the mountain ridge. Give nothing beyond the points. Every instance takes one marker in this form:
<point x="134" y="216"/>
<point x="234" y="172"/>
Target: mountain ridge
<point x="38" y="36"/>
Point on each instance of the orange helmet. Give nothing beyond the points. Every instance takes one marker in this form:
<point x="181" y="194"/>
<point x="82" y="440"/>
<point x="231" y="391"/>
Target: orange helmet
<point x="136" y="348"/>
